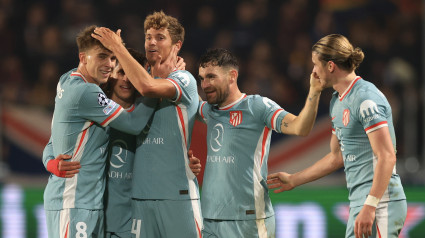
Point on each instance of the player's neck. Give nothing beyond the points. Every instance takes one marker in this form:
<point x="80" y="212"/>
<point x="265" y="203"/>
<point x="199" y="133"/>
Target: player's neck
<point x="344" y="82"/>
<point x="82" y="70"/>
<point x="121" y="102"/>
<point x="233" y="97"/>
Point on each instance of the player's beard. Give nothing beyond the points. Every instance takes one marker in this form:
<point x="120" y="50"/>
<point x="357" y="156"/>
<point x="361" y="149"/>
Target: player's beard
<point x="221" y="95"/>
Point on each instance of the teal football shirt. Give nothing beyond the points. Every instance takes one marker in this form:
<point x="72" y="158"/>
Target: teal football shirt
<point x="238" y="140"/>
<point x="362" y="109"/>
<point x="161" y="169"/>
<point x="82" y="112"/>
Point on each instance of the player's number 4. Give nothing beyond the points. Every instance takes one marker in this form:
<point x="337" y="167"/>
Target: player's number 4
<point x="135" y="227"/>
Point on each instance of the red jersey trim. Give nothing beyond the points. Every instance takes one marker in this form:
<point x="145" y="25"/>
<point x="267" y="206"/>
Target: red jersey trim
<point x="79" y="75"/>
<point x="179" y="90"/>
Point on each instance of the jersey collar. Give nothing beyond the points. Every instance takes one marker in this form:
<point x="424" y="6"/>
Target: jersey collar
<point x="342" y="96"/>
<point x="79" y="75"/>
<point x="227" y="107"/>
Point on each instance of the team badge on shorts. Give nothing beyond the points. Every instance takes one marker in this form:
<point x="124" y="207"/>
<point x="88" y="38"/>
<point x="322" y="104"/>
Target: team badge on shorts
<point x="102" y="99"/>
<point x="346" y="117"/>
<point x="235" y="118"/>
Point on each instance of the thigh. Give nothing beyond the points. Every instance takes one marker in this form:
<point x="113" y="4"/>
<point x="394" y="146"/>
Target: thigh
<point x="144" y="222"/>
<point x="179" y="218"/>
<point x="389" y="219"/>
<point x="260" y="228"/>
<point x="55" y="226"/>
<point x="125" y="234"/>
<point x="354" y="211"/>
<point x="86" y="223"/>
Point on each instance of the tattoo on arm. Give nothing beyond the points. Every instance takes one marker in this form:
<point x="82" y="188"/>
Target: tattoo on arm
<point x="285" y="124"/>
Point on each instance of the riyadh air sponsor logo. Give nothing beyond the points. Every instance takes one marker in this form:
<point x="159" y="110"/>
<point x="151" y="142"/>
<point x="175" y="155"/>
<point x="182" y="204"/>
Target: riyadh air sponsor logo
<point x="369" y="111"/>
<point x="350" y="158"/>
<point x="216" y="139"/>
<point x="235" y="118"/>
<point x="346" y="117"/>
<point x="182" y="77"/>
<point x="119" y="154"/>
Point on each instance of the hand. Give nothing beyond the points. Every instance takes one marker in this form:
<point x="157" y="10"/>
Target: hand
<point x="316" y="84"/>
<point x="62" y="168"/>
<point x="364" y="222"/>
<point x="280" y="180"/>
<point x="194" y="163"/>
<point x="107" y="37"/>
<point x="163" y="69"/>
<point x="180" y="65"/>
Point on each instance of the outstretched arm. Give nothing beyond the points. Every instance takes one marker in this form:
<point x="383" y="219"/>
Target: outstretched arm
<point x="331" y="162"/>
<point x="302" y="124"/>
<point x="382" y="147"/>
<point x="138" y="76"/>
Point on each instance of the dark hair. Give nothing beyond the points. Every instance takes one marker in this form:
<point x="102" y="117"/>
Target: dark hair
<point x="109" y="85"/>
<point x="219" y="57"/>
<point x="338" y="49"/>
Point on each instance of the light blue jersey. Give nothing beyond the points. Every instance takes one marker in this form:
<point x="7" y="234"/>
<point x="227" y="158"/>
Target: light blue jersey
<point x="121" y="152"/>
<point x="238" y="141"/>
<point x="82" y="111"/>
<point x="362" y="109"/>
<point x="161" y="169"/>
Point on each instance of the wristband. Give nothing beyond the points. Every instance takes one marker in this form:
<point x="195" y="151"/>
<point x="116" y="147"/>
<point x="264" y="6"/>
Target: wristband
<point x="372" y="201"/>
<point x="52" y="167"/>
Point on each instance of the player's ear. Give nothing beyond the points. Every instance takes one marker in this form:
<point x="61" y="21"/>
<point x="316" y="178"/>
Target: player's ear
<point x="331" y="66"/>
<point x="233" y="73"/>
<point x="82" y="57"/>
<point x="178" y="45"/>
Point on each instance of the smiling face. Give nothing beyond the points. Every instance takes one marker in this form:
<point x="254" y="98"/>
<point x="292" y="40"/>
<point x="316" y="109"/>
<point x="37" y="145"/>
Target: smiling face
<point x="98" y="63"/>
<point x="215" y="84"/>
<point x="157" y="42"/>
<point x="123" y="92"/>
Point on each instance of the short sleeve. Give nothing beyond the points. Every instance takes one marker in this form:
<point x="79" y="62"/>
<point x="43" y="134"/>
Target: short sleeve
<point x="185" y="85"/>
<point x="269" y="112"/>
<point x="94" y="105"/>
<point x="372" y="111"/>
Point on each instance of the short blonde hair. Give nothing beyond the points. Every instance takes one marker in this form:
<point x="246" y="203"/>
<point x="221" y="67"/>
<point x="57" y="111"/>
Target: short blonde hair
<point x="158" y="20"/>
<point x="338" y="49"/>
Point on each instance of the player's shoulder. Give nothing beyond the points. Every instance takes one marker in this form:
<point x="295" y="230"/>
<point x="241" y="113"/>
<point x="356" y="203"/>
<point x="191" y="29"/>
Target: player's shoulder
<point x="185" y="77"/>
<point x="368" y="91"/>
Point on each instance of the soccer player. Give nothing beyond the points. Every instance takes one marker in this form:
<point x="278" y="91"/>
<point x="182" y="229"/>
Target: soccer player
<point x="74" y="205"/>
<point x="363" y="142"/>
<point x="235" y="200"/>
<point x="121" y="152"/>
<point x="165" y="190"/>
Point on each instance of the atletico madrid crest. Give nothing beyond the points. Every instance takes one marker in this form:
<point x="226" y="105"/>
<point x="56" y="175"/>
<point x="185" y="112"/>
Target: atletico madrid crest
<point x="235" y="118"/>
<point x="346" y="117"/>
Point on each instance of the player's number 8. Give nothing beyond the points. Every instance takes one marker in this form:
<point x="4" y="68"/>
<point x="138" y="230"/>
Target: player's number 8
<point x="81" y="230"/>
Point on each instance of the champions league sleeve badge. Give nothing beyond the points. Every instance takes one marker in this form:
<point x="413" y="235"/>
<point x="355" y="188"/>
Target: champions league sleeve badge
<point x="105" y="102"/>
<point x="102" y="99"/>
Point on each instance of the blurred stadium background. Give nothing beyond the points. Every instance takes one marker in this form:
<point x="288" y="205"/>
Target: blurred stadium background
<point x="273" y="40"/>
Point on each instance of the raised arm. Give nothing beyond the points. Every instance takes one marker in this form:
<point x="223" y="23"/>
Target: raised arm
<point x="302" y="124"/>
<point x="139" y="77"/>
<point x="331" y="162"/>
<point x="382" y="147"/>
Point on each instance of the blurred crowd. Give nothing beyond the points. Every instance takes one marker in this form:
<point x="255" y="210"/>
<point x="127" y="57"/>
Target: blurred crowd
<point x="272" y="39"/>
